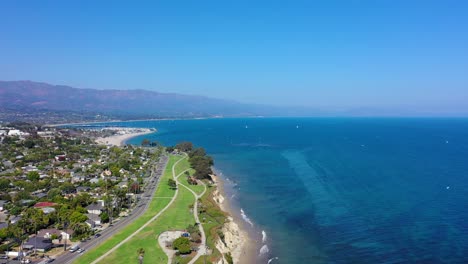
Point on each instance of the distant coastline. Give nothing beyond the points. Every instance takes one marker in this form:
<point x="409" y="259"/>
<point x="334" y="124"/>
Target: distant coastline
<point x="121" y="139"/>
<point x="125" y="121"/>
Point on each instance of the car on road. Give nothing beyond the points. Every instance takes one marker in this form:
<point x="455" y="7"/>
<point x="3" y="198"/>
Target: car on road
<point x="81" y="250"/>
<point x="74" y="248"/>
<point x="25" y="261"/>
<point x="97" y="235"/>
<point x="47" y="260"/>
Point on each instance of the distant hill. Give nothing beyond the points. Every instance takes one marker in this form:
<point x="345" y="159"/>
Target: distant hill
<point x="30" y="96"/>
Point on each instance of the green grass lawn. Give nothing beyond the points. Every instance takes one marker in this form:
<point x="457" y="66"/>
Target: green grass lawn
<point x="183" y="165"/>
<point x="156" y="205"/>
<point x="177" y="217"/>
<point x="198" y="189"/>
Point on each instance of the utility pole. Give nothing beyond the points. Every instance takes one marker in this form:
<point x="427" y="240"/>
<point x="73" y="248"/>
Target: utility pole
<point x="65" y="225"/>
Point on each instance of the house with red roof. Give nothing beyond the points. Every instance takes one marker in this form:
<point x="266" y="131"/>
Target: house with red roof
<point x="44" y="204"/>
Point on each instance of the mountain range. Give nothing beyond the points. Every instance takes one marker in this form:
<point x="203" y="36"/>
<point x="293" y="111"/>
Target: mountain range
<point x="37" y="96"/>
<point x="29" y="100"/>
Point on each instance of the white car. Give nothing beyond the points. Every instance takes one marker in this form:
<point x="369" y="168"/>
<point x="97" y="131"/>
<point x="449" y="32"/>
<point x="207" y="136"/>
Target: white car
<point x="74" y="248"/>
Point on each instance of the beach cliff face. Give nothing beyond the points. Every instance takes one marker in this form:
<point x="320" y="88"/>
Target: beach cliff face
<point x="234" y="238"/>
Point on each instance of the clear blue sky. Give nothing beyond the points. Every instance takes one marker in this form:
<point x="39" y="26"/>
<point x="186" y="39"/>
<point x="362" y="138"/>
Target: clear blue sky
<point x="403" y="55"/>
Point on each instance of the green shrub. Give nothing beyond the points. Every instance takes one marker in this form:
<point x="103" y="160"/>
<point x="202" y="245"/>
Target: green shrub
<point x="182" y="244"/>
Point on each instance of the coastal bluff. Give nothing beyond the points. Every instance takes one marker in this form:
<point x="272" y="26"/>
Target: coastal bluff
<point x="234" y="238"/>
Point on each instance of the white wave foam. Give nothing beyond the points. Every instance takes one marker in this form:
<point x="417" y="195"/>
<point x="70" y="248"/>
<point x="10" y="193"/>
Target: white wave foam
<point x="270" y="260"/>
<point x="264" y="236"/>
<point x="264" y="250"/>
<point x="244" y="216"/>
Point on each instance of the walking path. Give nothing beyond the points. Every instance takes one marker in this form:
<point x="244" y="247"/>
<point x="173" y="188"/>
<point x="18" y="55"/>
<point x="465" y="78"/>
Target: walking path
<point x="202" y="248"/>
<point x="149" y="221"/>
<point x="165" y="236"/>
<point x="168" y="237"/>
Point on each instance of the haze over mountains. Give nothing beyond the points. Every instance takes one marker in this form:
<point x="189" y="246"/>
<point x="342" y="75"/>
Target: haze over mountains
<point x="19" y="97"/>
<point x="28" y="95"/>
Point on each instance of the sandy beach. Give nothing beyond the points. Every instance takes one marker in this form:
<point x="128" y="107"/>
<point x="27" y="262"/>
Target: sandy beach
<point x="124" y="136"/>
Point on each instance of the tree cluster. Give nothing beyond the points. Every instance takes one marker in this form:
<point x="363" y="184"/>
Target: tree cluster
<point x="184" y="146"/>
<point x="201" y="163"/>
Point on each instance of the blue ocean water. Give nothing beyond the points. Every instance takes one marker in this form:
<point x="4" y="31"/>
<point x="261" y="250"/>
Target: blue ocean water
<point x="337" y="190"/>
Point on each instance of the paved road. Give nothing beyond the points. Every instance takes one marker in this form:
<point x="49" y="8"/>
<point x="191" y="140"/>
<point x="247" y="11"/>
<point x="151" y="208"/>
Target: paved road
<point x="148" y="222"/>
<point x="141" y="207"/>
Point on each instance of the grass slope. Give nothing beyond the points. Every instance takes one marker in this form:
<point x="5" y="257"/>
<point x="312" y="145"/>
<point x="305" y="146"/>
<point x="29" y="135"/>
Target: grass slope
<point x="156" y="205"/>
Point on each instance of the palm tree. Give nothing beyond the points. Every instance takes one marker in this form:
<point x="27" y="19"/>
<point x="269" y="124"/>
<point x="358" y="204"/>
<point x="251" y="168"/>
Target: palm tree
<point x="141" y="254"/>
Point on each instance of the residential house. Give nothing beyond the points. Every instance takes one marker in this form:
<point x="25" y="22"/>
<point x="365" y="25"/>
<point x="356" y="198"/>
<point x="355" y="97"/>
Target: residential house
<point x="41" y="244"/>
<point x="44" y="204"/>
<point x="95" y="208"/>
<point x="48" y="233"/>
<point x="60" y="158"/>
<point x="94" y="219"/>
<point x="67" y="234"/>
<point x="91" y="224"/>
<point x="48" y="210"/>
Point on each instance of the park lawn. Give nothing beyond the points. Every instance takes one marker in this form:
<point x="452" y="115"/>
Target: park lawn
<point x="182" y="166"/>
<point x="198" y="189"/>
<point x="177" y="217"/>
<point x="163" y="189"/>
<point x="156" y="205"/>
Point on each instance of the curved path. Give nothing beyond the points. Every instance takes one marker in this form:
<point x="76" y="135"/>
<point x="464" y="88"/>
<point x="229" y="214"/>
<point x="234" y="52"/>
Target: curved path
<point x="149" y="221"/>
<point x="202" y="248"/>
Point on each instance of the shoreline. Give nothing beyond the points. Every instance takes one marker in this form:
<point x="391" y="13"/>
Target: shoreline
<point x="156" y="119"/>
<point x="120" y="140"/>
<point x="247" y="253"/>
<point x="124" y="121"/>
